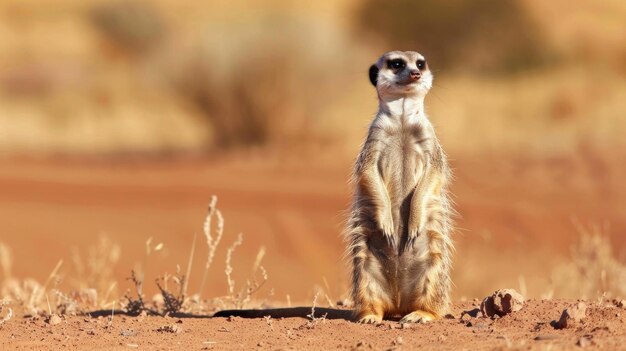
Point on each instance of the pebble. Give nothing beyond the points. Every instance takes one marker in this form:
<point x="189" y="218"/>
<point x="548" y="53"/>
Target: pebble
<point x="54" y="319"/>
<point x="572" y="316"/>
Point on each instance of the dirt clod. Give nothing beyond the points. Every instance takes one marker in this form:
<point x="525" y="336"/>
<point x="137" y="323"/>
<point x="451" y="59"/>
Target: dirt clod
<point x="501" y="303"/>
<point x="54" y="320"/>
<point x="127" y="332"/>
<point x="584" y="341"/>
<point x="169" y="329"/>
<point x="572" y="316"/>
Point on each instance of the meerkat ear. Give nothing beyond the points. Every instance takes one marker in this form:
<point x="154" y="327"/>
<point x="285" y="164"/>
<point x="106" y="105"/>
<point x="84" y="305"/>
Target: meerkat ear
<point x="374" y="75"/>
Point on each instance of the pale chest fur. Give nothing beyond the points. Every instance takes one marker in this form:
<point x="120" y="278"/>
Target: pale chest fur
<point x="408" y="145"/>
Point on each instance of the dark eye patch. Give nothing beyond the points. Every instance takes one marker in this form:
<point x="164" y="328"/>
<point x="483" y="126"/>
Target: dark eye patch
<point x="396" y="64"/>
<point x="421" y="64"/>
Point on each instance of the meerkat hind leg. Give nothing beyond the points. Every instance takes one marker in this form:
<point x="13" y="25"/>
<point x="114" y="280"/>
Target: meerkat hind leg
<point x="371" y="319"/>
<point x="418" y="316"/>
<point x="372" y="314"/>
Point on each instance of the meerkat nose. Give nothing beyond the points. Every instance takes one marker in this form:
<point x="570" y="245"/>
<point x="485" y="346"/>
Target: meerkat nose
<point x="415" y="75"/>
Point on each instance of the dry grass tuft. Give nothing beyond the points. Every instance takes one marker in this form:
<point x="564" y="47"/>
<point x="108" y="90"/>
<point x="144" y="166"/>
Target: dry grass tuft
<point x="172" y="303"/>
<point x="9" y="313"/>
<point x="212" y="240"/>
<point x="172" y="300"/>
<point x="134" y="306"/>
<point x="593" y="270"/>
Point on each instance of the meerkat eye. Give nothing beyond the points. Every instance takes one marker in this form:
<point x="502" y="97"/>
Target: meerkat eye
<point x="421" y="64"/>
<point x="396" y="64"/>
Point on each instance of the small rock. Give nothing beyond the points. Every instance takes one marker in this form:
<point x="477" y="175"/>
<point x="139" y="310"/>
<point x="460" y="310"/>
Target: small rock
<point x="441" y="338"/>
<point x="127" y="332"/>
<point x="584" y="342"/>
<point x="572" y="316"/>
<point x="501" y="303"/>
<point x="398" y="341"/>
<point x="620" y="303"/>
<point x="260" y="344"/>
<point x="466" y="316"/>
<point x="487" y="308"/>
<point x="54" y="319"/>
<point x="405" y="326"/>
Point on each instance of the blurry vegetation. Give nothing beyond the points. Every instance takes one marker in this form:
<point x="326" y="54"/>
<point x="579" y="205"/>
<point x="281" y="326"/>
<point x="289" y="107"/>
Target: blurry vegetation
<point x="486" y="35"/>
<point x="593" y="271"/>
<point x="263" y="83"/>
<point x="196" y="75"/>
<point x="134" y="26"/>
<point x="253" y="86"/>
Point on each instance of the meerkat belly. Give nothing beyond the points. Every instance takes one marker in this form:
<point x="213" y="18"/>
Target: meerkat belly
<point x="401" y="167"/>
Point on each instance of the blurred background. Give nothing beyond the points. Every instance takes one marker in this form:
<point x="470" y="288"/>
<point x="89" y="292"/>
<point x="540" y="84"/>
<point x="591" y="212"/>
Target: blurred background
<point x="120" y="119"/>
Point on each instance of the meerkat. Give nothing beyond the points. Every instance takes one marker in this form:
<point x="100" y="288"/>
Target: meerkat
<point x="399" y="228"/>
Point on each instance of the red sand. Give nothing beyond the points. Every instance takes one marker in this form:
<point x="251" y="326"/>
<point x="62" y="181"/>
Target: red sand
<point x="603" y="328"/>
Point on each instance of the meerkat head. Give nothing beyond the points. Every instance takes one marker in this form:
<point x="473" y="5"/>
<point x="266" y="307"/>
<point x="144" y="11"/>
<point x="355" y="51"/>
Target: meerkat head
<point x="400" y="74"/>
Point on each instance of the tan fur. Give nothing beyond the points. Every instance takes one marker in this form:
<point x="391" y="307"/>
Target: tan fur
<point x="399" y="226"/>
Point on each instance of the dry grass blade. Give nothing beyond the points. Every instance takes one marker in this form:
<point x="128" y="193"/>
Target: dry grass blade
<point x="212" y="241"/>
<point x="189" y="264"/>
<point x="5" y="261"/>
<point x="229" y="267"/>
<point x="42" y="291"/>
<point x="593" y="269"/>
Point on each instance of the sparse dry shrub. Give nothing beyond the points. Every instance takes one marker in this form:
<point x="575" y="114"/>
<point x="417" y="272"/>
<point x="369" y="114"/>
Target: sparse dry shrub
<point x="95" y="272"/>
<point x="28" y="294"/>
<point x="488" y="35"/>
<point x="172" y="302"/>
<point x="593" y="270"/>
<point x="132" y="26"/>
<point x="263" y="83"/>
<point x="173" y="298"/>
<point x="135" y="305"/>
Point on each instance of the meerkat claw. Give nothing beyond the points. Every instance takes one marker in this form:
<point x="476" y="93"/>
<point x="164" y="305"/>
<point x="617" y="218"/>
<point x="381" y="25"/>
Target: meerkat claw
<point x="371" y="319"/>
<point x="386" y="226"/>
<point x="391" y="240"/>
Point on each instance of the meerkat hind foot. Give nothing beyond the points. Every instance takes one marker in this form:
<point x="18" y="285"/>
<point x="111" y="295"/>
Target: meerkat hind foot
<point x="418" y="317"/>
<point x="371" y="319"/>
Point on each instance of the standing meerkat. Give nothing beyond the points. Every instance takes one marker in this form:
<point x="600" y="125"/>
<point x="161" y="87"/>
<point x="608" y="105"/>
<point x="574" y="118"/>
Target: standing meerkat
<point x="399" y="227"/>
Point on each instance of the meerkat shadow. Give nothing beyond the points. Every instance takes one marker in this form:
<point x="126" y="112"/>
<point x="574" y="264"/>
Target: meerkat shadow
<point x="289" y="312"/>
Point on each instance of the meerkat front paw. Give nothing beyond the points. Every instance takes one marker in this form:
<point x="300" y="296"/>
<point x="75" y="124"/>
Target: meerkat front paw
<point x="418" y="317"/>
<point x="371" y="319"/>
<point x="385" y="222"/>
<point x="416" y="228"/>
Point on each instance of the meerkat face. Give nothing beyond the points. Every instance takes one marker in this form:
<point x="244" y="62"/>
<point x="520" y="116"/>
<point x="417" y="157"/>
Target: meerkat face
<point x="401" y="73"/>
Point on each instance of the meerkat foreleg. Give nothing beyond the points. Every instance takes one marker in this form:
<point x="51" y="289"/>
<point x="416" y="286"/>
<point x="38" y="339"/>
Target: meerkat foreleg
<point x="419" y="202"/>
<point x="372" y="184"/>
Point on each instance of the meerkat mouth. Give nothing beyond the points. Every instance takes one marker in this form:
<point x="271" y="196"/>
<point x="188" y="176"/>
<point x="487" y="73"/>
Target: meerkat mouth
<point x="412" y="82"/>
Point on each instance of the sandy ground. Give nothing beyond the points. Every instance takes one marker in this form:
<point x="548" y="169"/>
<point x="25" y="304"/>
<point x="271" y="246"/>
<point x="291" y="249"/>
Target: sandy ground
<point x="604" y="327"/>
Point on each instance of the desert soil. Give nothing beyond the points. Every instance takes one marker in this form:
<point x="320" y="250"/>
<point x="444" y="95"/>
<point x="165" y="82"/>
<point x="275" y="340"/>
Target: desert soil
<point x="604" y="327"/>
